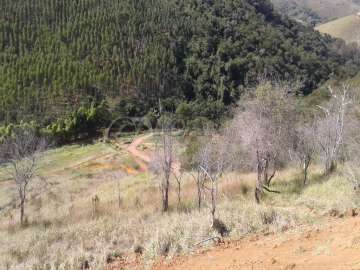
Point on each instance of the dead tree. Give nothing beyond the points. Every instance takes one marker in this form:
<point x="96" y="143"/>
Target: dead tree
<point x="263" y="125"/>
<point x="304" y="147"/>
<point x="332" y="126"/>
<point x="266" y="170"/>
<point x="20" y="154"/>
<point x="212" y="164"/>
<point x="178" y="177"/>
<point x="163" y="162"/>
<point x="199" y="181"/>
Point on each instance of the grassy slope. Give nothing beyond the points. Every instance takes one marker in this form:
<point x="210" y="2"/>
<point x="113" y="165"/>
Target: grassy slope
<point x="68" y="156"/>
<point x="347" y="28"/>
<point x="62" y="230"/>
<point x="330" y="9"/>
<point x="355" y="81"/>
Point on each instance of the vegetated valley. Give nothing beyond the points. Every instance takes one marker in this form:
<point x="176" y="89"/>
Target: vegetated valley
<point x="163" y="134"/>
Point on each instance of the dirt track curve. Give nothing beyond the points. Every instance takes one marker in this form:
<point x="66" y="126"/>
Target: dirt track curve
<point x="334" y="246"/>
<point x="143" y="159"/>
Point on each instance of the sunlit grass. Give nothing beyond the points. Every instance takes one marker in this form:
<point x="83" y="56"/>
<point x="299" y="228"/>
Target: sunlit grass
<point x="62" y="228"/>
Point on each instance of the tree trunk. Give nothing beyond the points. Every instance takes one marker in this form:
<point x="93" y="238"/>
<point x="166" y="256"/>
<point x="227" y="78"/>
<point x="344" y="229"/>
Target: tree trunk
<point x="258" y="188"/>
<point x="165" y="202"/>
<point x="305" y="176"/>
<point x="213" y="200"/>
<point x="258" y="195"/>
<point x="306" y="167"/>
<point x="265" y="171"/>
<point x="199" y="196"/>
<point x="165" y="207"/>
<point x="165" y="192"/>
<point x="22" y="195"/>
<point x="179" y="194"/>
<point x="330" y="166"/>
<point x="22" y="212"/>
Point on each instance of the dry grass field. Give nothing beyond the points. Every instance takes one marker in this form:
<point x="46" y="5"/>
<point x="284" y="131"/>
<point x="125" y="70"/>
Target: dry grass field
<point x="346" y="28"/>
<point x="331" y="9"/>
<point x="126" y="229"/>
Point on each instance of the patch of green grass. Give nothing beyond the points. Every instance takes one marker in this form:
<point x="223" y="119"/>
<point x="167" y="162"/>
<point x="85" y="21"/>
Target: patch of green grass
<point x="67" y="156"/>
<point x="355" y="81"/>
<point x="128" y="161"/>
<point x="336" y="192"/>
<point x="289" y="184"/>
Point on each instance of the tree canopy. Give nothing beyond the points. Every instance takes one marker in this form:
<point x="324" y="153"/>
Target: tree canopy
<point x="59" y="56"/>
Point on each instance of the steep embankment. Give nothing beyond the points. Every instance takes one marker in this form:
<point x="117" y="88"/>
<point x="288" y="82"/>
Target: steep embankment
<point x="346" y="28"/>
<point x="333" y="246"/>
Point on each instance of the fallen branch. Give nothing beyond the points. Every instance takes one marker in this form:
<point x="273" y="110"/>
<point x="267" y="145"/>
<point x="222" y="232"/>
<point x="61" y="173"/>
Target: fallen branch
<point x="208" y="239"/>
<point x="272" y="191"/>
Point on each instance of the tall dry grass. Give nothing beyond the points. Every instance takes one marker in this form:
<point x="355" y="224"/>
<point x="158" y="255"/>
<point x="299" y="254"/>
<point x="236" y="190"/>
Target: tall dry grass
<point x="62" y="233"/>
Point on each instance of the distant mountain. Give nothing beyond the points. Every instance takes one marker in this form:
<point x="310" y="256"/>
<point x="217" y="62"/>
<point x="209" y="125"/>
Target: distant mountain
<point x="59" y="57"/>
<point x="346" y="28"/>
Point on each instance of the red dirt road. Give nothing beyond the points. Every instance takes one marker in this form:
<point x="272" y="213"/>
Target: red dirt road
<point x="334" y="246"/>
<point x="140" y="157"/>
<point x="144" y="158"/>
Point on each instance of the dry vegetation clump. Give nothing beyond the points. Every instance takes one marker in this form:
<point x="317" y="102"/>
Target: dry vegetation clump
<point x="336" y="193"/>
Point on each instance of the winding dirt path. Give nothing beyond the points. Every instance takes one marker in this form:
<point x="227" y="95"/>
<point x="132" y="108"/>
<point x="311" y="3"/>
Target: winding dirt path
<point x="334" y="246"/>
<point x="141" y="158"/>
<point x="144" y="158"/>
<point x="135" y="144"/>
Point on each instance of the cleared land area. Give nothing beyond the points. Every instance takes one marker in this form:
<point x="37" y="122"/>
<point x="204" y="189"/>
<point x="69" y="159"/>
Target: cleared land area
<point x="347" y="28"/>
<point x="333" y="245"/>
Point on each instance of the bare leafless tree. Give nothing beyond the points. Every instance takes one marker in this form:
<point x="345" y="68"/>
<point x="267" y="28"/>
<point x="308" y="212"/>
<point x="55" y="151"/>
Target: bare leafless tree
<point x="198" y="177"/>
<point x="19" y="154"/>
<point x="263" y="125"/>
<point x="196" y="172"/>
<point x="208" y="168"/>
<point x="332" y="126"/>
<point x="178" y="175"/>
<point x="304" y="147"/>
<point x="163" y="161"/>
<point x="213" y="161"/>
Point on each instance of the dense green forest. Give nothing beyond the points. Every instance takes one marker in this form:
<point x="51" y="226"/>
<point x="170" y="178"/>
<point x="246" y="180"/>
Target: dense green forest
<point x="65" y="59"/>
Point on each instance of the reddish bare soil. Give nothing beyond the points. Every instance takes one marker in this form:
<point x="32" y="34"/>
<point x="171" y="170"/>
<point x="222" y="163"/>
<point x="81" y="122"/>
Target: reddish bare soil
<point x="142" y="158"/>
<point x="334" y="245"/>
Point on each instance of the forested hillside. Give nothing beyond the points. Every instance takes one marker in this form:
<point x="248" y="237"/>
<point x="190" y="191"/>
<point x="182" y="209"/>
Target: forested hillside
<point x="62" y="58"/>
